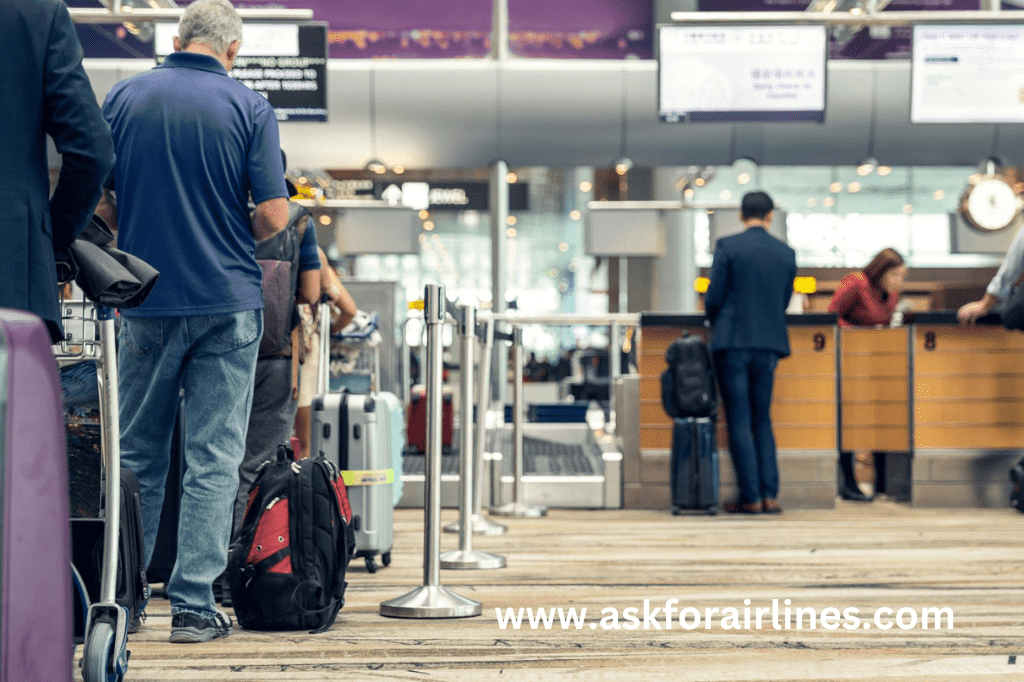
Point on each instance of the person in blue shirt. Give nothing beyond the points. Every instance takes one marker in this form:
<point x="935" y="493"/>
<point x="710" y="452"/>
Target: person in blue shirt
<point x="192" y="145"/>
<point x="751" y="284"/>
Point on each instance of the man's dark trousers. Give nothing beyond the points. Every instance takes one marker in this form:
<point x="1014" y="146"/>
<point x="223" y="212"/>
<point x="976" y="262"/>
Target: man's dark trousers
<point x="745" y="379"/>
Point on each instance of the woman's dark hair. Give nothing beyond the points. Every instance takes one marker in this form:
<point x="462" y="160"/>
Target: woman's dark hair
<point x="884" y="261"/>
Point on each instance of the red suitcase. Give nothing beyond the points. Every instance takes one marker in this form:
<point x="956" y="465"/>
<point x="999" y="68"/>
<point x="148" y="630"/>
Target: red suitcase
<point x="416" y="427"/>
<point x="35" y="583"/>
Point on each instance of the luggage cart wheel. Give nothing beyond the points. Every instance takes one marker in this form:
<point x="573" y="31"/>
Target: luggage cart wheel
<point x="385" y="558"/>
<point x="712" y="511"/>
<point x="98" y="655"/>
<point x="371" y="565"/>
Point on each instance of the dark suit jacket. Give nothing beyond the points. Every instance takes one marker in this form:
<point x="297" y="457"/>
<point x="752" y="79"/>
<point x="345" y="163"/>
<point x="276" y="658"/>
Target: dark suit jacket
<point x="44" y="91"/>
<point x="751" y="284"/>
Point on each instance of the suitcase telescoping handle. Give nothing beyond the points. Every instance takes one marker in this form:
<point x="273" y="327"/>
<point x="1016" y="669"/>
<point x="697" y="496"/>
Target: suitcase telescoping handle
<point x="324" y="320"/>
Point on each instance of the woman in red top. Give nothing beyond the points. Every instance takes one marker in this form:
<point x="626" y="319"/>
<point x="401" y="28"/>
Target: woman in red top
<point x="867" y="298"/>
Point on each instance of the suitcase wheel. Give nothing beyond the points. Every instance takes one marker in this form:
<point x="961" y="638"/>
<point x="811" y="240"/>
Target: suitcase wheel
<point x="371" y="564"/>
<point x="676" y="511"/>
<point x="385" y="558"/>
<point x="712" y="511"/>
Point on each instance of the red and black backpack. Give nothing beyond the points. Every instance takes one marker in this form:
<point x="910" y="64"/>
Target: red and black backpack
<point x="287" y="571"/>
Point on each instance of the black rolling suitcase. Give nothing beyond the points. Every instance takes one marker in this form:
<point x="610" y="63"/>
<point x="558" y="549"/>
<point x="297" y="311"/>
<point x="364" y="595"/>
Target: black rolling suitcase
<point x="1017" y="490"/>
<point x="694" y="466"/>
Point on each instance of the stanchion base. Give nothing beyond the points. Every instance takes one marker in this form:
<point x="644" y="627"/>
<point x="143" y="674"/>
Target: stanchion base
<point x="481" y="526"/>
<point x="519" y="509"/>
<point x="430" y="601"/>
<point x="472" y="558"/>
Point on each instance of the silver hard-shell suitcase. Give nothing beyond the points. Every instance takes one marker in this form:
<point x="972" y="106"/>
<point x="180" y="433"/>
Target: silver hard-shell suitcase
<point x="347" y="430"/>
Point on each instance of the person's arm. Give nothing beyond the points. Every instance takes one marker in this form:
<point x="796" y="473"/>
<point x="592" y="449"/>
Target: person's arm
<point x="81" y="135"/>
<point x="107" y="210"/>
<point x="844" y="298"/>
<point x="338" y="295"/>
<point x="269" y="218"/>
<point x="719" y="276"/>
<point x="309" y="266"/>
<point x="999" y="288"/>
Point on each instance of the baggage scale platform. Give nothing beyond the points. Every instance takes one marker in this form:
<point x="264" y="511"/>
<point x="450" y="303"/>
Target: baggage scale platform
<point x="565" y="465"/>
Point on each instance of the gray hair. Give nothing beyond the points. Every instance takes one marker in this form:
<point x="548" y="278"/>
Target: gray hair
<point x="214" y="23"/>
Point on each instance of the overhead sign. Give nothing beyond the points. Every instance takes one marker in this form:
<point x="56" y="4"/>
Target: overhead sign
<point x="967" y="74"/>
<point x="451" y="196"/>
<point x="286" y="63"/>
<point x="741" y="73"/>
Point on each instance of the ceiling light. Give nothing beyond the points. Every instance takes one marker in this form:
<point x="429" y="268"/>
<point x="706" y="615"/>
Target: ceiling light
<point x="884" y="170"/>
<point x="375" y="166"/>
<point x="835" y="187"/>
<point x="853" y="187"/>
<point x="743" y="178"/>
<point x="939" y="195"/>
<point x="398" y="169"/>
<point x="828" y="202"/>
<point x="623" y="165"/>
<point x="867" y="165"/>
<point x="725" y="195"/>
<point x="511" y="178"/>
<point x="586" y="186"/>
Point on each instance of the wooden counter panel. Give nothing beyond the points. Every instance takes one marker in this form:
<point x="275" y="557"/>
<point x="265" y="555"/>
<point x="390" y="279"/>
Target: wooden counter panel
<point x="804" y="388"/>
<point x="859" y="389"/>
<point x="981" y="339"/>
<point x="653" y="413"/>
<point x="650" y="387"/>
<point x="656" y="437"/>
<point x="652" y="365"/>
<point x="968" y="364"/>
<point x="856" y="341"/>
<point x="804" y="412"/>
<point x="875" y="438"/>
<point x="877" y="365"/>
<point x="967" y="412"/>
<point x="959" y="387"/>
<point x="799" y="437"/>
<point x="881" y="413"/>
<point x="972" y="437"/>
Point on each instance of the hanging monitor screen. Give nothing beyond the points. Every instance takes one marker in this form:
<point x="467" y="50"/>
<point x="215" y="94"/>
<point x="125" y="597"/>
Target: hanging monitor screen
<point x="741" y="73"/>
<point x="286" y="63"/>
<point x="967" y="74"/>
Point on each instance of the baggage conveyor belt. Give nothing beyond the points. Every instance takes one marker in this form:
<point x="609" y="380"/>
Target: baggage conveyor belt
<point x="565" y="466"/>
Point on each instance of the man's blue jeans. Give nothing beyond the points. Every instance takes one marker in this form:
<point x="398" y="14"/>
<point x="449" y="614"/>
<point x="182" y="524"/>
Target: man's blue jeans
<point x="745" y="378"/>
<point x="214" y="359"/>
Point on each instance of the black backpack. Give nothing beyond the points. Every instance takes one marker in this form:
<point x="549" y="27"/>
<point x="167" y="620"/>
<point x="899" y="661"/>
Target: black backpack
<point x="287" y="571"/>
<point x="688" y="386"/>
<point x="278" y="257"/>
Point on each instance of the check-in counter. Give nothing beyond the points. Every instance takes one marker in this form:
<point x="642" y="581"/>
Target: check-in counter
<point x="944" y="401"/>
<point x="968" y="413"/>
<point x="803" y="413"/>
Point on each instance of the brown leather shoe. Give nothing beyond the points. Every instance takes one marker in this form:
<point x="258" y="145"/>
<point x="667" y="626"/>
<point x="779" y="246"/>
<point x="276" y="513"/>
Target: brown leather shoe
<point x="770" y="506"/>
<point x="740" y="508"/>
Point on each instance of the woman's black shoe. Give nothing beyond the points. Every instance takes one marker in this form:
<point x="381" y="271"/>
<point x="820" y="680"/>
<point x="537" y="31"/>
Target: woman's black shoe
<point x="849" y="493"/>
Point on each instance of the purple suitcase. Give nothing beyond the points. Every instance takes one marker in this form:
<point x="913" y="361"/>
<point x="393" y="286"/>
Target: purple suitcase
<point x="35" y="576"/>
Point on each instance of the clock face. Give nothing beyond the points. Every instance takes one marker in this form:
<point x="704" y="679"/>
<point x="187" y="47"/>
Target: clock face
<point x="991" y="204"/>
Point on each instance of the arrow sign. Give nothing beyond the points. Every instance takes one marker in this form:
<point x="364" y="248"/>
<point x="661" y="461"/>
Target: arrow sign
<point x="392" y="194"/>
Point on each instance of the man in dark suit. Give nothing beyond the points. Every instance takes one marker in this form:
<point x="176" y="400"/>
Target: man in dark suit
<point x="751" y="283"/>
<point x="44" y="91"/>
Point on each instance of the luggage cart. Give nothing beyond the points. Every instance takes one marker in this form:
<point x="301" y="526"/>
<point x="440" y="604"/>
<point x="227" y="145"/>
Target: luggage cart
<point x="89" y="335"/>
<point x="355" y="358"/>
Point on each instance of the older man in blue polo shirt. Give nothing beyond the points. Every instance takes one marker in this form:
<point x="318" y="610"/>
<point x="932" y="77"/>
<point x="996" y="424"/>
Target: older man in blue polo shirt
<point x="192" y="144"/>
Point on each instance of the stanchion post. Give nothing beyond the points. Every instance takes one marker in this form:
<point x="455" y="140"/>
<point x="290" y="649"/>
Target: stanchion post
<point x="432" y="600"/>
<point x="517" y="507"/>
<point x="466" y="557"/>
<point x="614" y="370"/>
<point x="481" y="524"/>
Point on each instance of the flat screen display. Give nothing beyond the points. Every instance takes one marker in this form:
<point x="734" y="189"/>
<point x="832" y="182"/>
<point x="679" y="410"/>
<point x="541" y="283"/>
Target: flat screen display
<point x="967" y="74"/>
<point x="286" y="63"/>
<point x="741" y="73"/>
